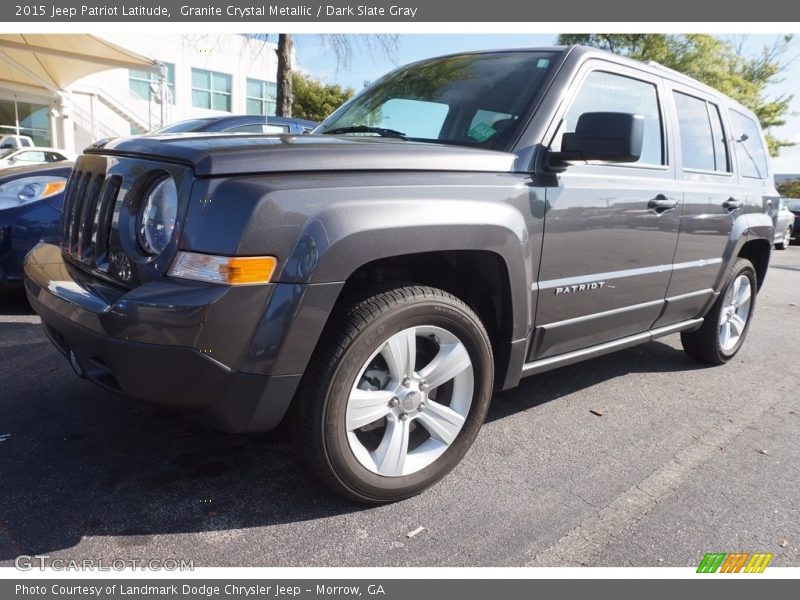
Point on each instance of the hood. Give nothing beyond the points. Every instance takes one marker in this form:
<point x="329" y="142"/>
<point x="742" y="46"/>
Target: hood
<point x="234" y="154"/>
<point x="59" y="169"/>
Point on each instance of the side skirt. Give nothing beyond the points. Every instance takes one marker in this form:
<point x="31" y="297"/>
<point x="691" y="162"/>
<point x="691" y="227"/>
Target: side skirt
<point x="568" y="358"/>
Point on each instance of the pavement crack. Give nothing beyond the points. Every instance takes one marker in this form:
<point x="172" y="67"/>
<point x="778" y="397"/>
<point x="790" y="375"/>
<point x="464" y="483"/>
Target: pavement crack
<point x="586" y="540"/>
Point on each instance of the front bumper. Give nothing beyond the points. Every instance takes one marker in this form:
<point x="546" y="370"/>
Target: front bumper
<point x="225" y="355"/>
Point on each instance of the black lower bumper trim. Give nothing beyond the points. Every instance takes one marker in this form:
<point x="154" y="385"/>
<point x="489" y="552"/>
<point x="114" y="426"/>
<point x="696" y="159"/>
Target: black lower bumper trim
<point x="178" y="377"/>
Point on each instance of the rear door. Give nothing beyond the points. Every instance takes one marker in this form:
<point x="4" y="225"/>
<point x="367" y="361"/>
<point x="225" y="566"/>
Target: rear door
<point x="712" y="199"/>
<point x="610" y="229"/>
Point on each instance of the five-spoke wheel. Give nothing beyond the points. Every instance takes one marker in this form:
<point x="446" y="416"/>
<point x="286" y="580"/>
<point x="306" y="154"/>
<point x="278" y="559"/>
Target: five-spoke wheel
<point x="735" y="312"/>
<point x="396" y="394"/>
<point x="726" y="324"/>
<point x="409" y="401"/>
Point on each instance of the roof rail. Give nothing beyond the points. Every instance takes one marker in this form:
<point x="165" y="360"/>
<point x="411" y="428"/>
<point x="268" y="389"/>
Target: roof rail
<point x="658" y="65"/>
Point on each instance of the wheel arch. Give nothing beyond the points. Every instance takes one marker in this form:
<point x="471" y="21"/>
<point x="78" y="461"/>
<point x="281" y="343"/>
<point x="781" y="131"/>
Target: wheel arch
<point x="480" y="278"/>
<point x="758" y="252"/>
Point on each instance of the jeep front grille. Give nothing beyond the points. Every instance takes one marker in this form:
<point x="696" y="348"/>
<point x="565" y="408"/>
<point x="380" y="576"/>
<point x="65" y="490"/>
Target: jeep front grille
<point x="88" y="211"/>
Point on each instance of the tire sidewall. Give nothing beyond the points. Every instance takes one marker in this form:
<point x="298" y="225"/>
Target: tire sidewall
<point x="347" y="469"/>
<point x="742" y="268"/>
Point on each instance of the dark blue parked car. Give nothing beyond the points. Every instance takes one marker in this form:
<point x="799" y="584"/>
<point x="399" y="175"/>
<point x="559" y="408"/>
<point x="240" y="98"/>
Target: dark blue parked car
<point x="241" y="124"/>
<point x="30" y="210"/>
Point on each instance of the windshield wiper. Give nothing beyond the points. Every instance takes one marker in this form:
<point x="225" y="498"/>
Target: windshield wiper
<point x="367" y="129"/>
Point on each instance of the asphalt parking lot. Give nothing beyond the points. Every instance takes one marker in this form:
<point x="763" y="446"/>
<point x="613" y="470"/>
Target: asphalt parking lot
<point x="684" y="460"/>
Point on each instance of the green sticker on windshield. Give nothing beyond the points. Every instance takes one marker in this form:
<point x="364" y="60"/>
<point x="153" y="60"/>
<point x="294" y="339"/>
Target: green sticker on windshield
<point x="481" y="132"/>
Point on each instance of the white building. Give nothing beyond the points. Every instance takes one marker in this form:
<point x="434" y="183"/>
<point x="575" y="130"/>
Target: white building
<point x="200" y="75"/>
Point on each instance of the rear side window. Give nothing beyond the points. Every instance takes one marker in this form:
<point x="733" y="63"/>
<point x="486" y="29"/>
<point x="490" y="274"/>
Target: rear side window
<point x="750" y="153"/>
<point x="259" y="128"/>
<point x="703" y="144"/>
<point x="32" y="156"/>
<point x="607" y="92"/>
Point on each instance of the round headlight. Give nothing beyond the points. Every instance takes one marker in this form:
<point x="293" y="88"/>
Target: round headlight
<point x="157" y="216"/>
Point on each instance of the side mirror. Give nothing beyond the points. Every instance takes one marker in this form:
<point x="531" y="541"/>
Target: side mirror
<point x="606" y="136"/>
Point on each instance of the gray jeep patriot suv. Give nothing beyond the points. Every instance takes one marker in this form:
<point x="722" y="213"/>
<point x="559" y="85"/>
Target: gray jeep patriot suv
<point x="464" y="222"/>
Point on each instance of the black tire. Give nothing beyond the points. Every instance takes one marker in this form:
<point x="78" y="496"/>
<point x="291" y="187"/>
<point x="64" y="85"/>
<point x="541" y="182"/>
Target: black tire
<point x="354" y="334"/>
<point x="703" y="344"/>
<point x="786" y="241"/>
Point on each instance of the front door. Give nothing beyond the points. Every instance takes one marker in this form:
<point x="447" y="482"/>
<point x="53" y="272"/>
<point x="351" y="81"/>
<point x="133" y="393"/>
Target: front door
<point x="610" y="230"/>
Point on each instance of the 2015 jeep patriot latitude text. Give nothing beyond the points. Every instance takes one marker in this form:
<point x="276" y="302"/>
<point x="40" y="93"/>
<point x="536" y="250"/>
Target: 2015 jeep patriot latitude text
<point x="464" y="222"/>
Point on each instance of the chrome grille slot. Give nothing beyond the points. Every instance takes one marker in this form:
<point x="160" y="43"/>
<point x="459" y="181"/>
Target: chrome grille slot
<point x="71" y="236"/>
<point x="69" y="201"/>
<point x="88" y="204"/>
<point x="101" y="236"/>
<point x="88" y="213"/>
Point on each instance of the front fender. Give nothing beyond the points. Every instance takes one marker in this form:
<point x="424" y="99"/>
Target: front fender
<point x="341" y="239"/>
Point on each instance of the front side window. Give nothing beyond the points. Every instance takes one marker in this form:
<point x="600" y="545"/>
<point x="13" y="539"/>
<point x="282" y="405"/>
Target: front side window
<point x="750" y="153"/>
<point x="608" y="92"/>
<point x="211" y="90"/>
<point x="261" y="97"/>
<point x="469" y="99"/>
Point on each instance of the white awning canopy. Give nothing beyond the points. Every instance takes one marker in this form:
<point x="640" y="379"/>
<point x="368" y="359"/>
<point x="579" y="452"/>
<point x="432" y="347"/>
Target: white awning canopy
<point x="53" y="61"/>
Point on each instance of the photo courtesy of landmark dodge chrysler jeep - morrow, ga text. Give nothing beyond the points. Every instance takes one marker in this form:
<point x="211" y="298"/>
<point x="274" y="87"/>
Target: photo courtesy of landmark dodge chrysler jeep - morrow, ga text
<point x="462" y="223"/>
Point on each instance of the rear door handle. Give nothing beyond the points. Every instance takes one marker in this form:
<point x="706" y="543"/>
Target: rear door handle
<point x="732" y="204"/>
<point x="661" y="203"/>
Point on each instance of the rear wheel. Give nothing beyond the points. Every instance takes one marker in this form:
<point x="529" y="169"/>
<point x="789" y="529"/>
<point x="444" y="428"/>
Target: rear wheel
<point x="395" y="394"/>
<point x="726" y="324"/>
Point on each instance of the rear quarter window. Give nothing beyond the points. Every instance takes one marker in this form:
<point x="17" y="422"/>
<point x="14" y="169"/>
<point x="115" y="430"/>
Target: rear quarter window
<point x="751" y="156"/>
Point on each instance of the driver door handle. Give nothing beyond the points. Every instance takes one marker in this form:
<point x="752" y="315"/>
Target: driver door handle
<point x="732" y="203"/>
<point x="661" y="203"/>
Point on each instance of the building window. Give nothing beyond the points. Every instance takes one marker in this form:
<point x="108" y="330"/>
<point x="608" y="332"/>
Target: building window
<point x="26" y="118"/>
<point x="261" y="97"/>
<point x="211" y="90"/>
<point x="139" y="82"/>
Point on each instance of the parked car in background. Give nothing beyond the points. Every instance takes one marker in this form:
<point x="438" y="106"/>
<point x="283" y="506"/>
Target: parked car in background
<point x="15" y="141"/>
<point x="241" y="124"/>
<point x="793" y="206"/>
<point x="36" y="155"/>
<point x="30" y="210"/>
<point x="785" y="225"/>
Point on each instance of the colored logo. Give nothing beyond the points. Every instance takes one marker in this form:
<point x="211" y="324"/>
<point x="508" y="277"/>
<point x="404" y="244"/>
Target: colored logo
<point x="736" y="562"/>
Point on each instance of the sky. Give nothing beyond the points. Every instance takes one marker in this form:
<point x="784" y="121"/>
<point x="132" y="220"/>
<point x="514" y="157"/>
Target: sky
<point x="316" y="58"/>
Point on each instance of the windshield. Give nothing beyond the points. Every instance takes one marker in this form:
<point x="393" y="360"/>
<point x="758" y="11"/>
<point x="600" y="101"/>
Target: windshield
<point x="6" y="151"/>
<point x="468" y="99"/>
<point x="185" y="126"/>
<point x="792" y="204"/>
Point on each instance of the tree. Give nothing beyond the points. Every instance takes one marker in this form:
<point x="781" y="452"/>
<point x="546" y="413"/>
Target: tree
<point x="315" y="100"/>
<point x="716" y="62"/>
<point x="789" y="188"/>
<point x="283" y="102"/>
<point x="343" y="46"/>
